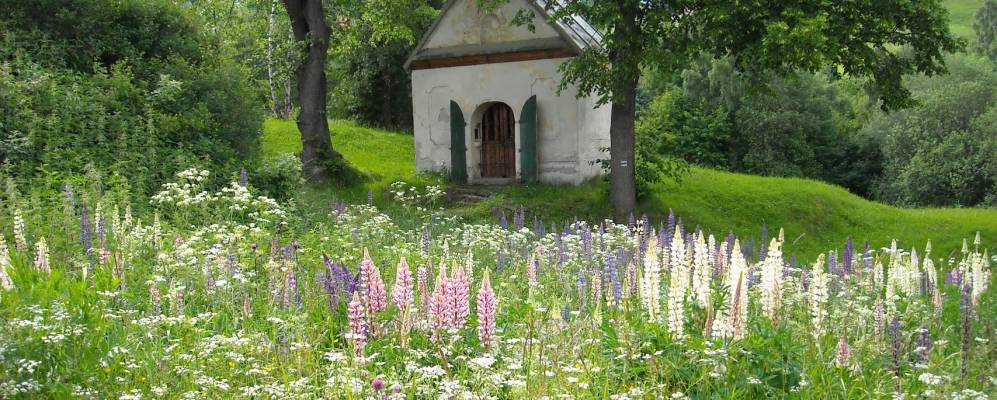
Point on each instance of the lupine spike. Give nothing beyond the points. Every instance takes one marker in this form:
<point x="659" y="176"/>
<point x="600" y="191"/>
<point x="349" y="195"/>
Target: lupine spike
<point x="487" y="308"/>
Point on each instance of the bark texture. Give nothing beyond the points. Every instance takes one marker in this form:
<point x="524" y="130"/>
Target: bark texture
<point x="622" y="183"/>
<point x="309" y="26"/>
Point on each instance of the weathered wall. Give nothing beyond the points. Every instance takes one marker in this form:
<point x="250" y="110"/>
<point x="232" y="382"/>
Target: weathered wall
<point x="466" y="24"/>
<point x="570" y="131"/>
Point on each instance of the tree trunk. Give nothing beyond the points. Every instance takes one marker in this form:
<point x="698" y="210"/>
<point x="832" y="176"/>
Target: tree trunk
<point x="308" y="25"/>
<point x="275" y="106"/>
<point x="622" y="185"/>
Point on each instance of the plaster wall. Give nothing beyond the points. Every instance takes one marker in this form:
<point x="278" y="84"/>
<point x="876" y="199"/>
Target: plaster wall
<point x="467" y="24"/>
<point x="570" y="132"/>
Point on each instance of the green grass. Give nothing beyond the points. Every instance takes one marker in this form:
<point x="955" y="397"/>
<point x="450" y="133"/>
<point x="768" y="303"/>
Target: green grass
<point x="961" y="15"/>
<point x="816" y="216"/>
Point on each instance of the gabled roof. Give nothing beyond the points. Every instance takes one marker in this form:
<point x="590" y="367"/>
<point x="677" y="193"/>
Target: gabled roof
<point x="574" y="30"/>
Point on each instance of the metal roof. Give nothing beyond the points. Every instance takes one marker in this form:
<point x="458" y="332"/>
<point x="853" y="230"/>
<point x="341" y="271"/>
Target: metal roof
<point x="573" y="29"/>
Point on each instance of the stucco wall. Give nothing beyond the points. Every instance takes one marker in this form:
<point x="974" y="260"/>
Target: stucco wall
<point x="466" y="24"/>
<point x="570" y="131"/>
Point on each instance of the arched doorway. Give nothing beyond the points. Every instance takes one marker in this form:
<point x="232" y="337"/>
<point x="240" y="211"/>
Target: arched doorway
<point x="498" y="142"/>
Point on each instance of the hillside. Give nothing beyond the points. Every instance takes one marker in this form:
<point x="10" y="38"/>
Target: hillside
<point x="816" y="216"/>
<point x="961" y="14"/>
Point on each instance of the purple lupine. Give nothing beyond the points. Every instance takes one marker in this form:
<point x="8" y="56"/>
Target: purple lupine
<point x="70" y="196"/>
<point x="847" y="256"/>
<point x="538" y="227"/>
<point x="609" y="261"/>
<point x="765" y="236"/>
<point x="966" y="309"/>
<point x="86" y="230"/>
<point x="867" y="257"/>
<point x="562" y="252"/>
<point x="243" y="177"/>
<point x="896" y="345"/>
<point x="631" y="223"/>
<point x="832" y="262"/>
<point x="503" y="222"/>
<point x="425" y="240"/>
<point x="330" y="281"/>
<point x="646" y="223"/>
<point x="519" y="218"/>
<point x="923" y="345"/>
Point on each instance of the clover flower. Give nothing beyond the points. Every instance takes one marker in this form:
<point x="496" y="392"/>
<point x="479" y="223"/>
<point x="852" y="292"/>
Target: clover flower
<point x="487" y="307"/>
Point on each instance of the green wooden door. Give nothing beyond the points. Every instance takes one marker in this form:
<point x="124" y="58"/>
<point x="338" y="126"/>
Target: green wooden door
<point x="458" y="151"/>
<point x="528" y="140"/>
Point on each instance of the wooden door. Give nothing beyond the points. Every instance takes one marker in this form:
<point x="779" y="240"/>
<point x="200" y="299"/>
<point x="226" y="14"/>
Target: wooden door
<point x="498" y="142"/>
<point x="458" y="151"/>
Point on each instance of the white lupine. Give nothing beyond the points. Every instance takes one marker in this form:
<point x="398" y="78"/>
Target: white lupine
<point x="5" y="282"/>
<point x="41" y="256"/>
<point x="980" y="279"/>
<point x="701" y="271"/>
<point x="650" y="287"/>
<point x="818" y="296"/>
<point x="678" y="255"/>
<point x="20" y="237"/>
<point x="879" y="274"/>
<point x="771" y="282"/>
<point x="931" y="273"/>
<point x="676" y="303"/>
<point x="736" y="320"/>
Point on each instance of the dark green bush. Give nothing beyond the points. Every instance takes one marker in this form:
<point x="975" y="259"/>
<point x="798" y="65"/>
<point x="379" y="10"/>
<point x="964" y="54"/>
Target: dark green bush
<point x="278" y="177"/>
<point x="132" y="88"/>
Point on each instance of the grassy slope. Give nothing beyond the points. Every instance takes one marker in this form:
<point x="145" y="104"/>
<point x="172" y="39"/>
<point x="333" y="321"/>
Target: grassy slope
<point x="816" y="216"/>
<point x="961" y="15"/>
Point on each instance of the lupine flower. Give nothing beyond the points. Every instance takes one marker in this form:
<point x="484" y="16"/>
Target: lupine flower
<point x="702" y="272"/>
<point x="5" y="281"/>
<point x="459" y="297"/>
<point x="487" y="307"/>
<point x="177" y="301"/>
<point x="737" y="320"/>
<point x="651" y="283"/>
<point x="41" y="257"/>
<point x="401" y="293"/>
<point x="818" y="290"/>
<point x="358" y="325"/>
<point x="439" y="306"/>
<point x="156" y="299"/>
<point x="20" y="238"/>
<point x="771" y="281"/>
<point x="632" y="286"/>
<point x="597" y="288"/>
<point x="848" y="255"/>
<point x="966" y="311"/>
<point x="532" y="270"/>
<point x="761" y="251"/>
<point x="375" y="294"/>
<point x="329" y="281"/>
<point x="897" y="344"/>
<point x="503" y="222"/>
<point x="843" y="358"/>
<point x="422" y="281"/>
<point x="425" y="240"/>
<point x="86" y="231"/>
<point x="519" y="218"/>
<point x="614" y="278"/>
<point x="923" y="345"/>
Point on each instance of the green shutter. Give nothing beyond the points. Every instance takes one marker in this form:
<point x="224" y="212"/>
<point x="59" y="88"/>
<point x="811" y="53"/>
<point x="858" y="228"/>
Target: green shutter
<point x="528" y="140"/>
<point x="458" y="152"/>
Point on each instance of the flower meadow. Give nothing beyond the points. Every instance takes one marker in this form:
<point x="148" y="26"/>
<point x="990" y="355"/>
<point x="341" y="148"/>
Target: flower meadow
<point x="206" y="293"/>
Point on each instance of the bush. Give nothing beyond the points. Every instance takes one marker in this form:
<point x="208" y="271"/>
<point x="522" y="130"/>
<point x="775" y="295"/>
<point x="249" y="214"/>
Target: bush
<point x="132" y="88"/>
<point x="278" y="176"/>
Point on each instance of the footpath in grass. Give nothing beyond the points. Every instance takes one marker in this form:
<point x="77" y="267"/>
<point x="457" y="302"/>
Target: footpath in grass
<point x="816" y="216"/>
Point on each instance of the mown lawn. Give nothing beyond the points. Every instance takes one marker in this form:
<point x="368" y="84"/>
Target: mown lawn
<point x="816" y="216"/>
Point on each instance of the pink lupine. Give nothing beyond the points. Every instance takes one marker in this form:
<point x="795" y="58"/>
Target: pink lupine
<point x="422" y="276"/>
<point x="358" y="325"/>
<point x="459" y="297"/>
<point x="374" y="292"/>
<point x="439" y="310"/>
<point x="401" y="293"/>
<point x="486" y="311"/>
<point x="532" y="270"/>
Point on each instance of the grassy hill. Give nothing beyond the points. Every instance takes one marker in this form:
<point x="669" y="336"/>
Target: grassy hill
<point x="961" y="15"/>
<point x="816" y="216"/>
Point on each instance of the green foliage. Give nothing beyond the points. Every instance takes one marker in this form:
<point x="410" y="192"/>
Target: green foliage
<point x="944" y="151"/>
<point x="278" y="176"/>
<point x="676" y="125"/>
<point x="132" y="88"/>
<point x="985" y="26"/>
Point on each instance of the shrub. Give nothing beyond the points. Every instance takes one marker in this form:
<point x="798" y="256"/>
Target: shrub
<point x="278" y="176"/>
